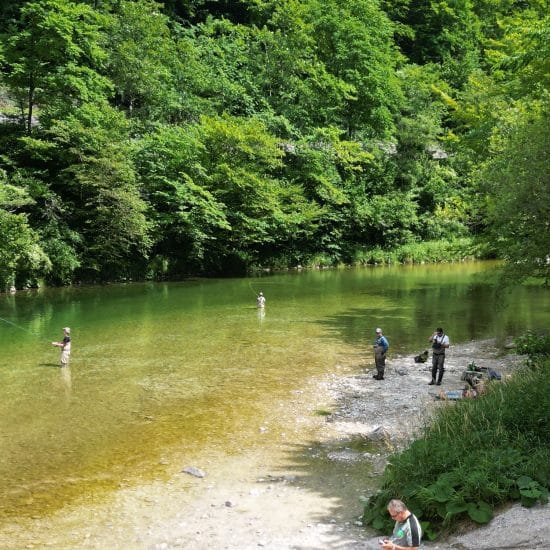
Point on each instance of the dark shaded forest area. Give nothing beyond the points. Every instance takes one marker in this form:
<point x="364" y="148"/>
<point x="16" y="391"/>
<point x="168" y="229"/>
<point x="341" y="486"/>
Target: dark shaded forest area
<point x="141" y="140"/>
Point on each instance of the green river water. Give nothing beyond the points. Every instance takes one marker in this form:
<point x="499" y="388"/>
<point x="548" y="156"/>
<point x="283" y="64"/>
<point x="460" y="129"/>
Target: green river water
<point x="190" y="367"/>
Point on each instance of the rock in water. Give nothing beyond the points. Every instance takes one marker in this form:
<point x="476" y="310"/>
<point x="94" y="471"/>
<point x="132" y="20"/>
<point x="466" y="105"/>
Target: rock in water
<point x="192" y="471"/>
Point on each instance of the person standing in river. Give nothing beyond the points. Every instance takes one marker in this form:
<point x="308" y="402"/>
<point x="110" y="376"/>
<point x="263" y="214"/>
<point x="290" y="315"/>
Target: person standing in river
<point x="381" y="346"/>
<point x="65" y="346"/>
<point x="440" y="342"/>
<point x="260" y="300"/>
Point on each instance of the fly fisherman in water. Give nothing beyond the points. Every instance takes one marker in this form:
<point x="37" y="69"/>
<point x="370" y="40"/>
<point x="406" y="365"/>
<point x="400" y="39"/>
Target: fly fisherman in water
<point x="260" y="300"/>
<point x="65" y="346"/>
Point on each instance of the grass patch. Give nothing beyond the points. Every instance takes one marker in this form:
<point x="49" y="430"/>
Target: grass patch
<point x="420" y="253"/>
<point x="475" y="456"/>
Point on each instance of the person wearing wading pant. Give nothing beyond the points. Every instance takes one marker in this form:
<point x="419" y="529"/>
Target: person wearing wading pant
<point x="381" y="346"/>
<point x="65" y="346"/>
<point x="407" y="532"/>
<point x="440" y="342"/>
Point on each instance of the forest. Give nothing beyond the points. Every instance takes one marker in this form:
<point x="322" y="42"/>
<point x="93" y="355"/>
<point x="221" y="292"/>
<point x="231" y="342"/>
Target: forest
<point x="144" y="140"/>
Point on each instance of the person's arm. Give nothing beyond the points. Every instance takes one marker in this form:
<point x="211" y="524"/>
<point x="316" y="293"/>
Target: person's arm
<point x="445" y="342"/>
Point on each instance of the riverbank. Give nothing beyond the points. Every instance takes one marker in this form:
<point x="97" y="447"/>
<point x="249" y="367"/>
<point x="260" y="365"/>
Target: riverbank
<point x="270" y="497"/>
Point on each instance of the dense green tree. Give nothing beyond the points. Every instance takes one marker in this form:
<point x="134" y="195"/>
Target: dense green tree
<point x="86" y="158"/>
<point x="186" y="217"/>
<point x="143" y="62"/>
<point x="354" y="41"/>
<point x="197" y="136"/>
<point x="22" y="259"/>
<point x="52" y="56"/>
<point x="241" y="163"/>
<point x="518" y="183"/>
<point x="444" y="32"/>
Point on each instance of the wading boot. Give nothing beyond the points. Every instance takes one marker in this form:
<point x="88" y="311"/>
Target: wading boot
<point x="434" y="374"/>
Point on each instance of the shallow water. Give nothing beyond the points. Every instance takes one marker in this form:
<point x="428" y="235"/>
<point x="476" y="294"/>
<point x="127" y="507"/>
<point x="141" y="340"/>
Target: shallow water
<point x="193" y="367"/>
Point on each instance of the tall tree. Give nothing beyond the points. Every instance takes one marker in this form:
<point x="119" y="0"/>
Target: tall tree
<point x="143" y="61"/>
<point x="21" y="256"/>
<point x="518" y="183"/>
<point x="51" y="59"/>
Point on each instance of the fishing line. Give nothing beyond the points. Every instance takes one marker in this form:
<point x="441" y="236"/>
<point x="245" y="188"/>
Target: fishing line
<point x="251" y="288"/>
<point x="20" y="327"/>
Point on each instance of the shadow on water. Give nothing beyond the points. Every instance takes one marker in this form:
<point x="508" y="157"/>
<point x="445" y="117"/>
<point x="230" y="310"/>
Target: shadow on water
<point x="343" y="471"/>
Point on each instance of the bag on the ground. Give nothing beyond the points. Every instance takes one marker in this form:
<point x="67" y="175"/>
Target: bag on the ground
<point x="421" y="357"/>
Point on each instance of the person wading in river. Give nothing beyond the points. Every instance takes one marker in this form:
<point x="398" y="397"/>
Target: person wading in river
<point x="381" y="346"/>
<point x="440" y="342"/>
<point x="65" y="346"/>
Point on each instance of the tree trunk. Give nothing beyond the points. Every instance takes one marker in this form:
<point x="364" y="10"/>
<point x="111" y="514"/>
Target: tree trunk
<point x="30" y="103"/>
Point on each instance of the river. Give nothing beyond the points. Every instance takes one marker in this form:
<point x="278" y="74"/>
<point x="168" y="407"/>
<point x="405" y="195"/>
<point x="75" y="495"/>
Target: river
<point x="190" y="368"/>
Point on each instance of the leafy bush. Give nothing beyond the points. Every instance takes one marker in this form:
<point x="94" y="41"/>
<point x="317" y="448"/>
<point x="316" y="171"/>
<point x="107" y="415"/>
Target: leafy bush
<point x="418" y="253"/>
<point x="533" y="345"/>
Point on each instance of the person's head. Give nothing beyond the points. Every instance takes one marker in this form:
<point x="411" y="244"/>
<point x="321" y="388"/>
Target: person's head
<point x="439" y="331"/>
<point x="261" y="293"/>
<point x="67" y="331"/>
<point x="397" y="510"/>
<point x="379" y="332"/>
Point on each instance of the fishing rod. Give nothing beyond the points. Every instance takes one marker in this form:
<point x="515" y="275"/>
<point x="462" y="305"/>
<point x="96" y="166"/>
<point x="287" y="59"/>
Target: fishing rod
<point x="251" y="288"/>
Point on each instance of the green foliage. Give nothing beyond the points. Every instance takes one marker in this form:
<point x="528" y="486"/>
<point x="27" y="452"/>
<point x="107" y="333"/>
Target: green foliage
<point x="475" y="456"/>
<point x="142" y="64"/>
<point x="186" y="216"/>
<point x="418" y="253"/>
<point x="163" y="139"/>
<point x="21" y="257"/>
<point x="517" y="180"/>
<point x="443" y="32"/>
<point x="533" y="345"/>
<point x="531" y="491"/>
<point x="52" y="57"/>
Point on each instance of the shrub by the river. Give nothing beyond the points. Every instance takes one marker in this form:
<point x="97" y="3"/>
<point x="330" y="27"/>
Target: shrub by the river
<point x="477" y="454"/>
<point x="421" y="252"/>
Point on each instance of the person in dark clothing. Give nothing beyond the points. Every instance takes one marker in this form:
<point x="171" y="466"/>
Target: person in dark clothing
<point x="381" y="346"/>
<point x="440" y="342"/>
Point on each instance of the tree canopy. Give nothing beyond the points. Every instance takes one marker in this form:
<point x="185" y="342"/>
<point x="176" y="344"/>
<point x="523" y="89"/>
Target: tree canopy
<point x="142" y="139"/>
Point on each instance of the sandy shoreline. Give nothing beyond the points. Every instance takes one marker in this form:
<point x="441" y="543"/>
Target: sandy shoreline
<point x="268" y="497"/>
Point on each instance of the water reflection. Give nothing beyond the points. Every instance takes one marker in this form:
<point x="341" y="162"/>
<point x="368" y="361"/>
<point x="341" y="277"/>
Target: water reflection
<point x="66" y="379"/>
<point x="261" y="314"/>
